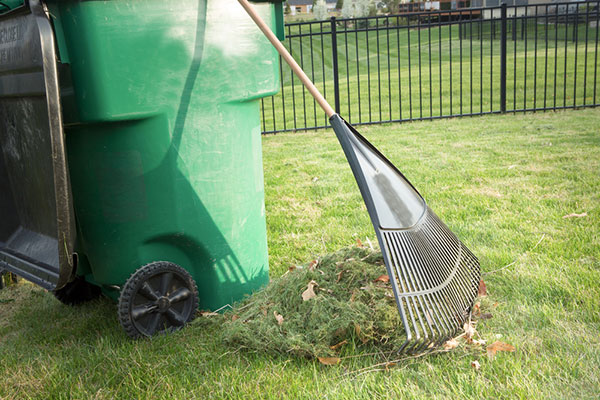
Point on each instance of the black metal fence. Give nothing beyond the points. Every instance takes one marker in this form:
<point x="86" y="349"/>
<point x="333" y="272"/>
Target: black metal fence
<point x="438" y="64"/>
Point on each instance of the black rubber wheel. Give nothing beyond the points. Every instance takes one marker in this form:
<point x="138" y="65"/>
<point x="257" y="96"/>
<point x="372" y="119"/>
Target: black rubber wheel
<point x="160" y="296"/>
<point x="76" y="292"/>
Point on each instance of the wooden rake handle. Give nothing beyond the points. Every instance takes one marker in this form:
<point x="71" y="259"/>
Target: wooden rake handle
<point x="288" y="58"/>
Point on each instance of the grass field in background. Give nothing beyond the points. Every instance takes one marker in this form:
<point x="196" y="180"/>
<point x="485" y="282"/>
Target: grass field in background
<point x="383" y="81"/>
<point x="503" y="184"/>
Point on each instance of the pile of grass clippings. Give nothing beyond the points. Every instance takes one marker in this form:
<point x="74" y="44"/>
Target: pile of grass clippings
<point x="352" y="305"/>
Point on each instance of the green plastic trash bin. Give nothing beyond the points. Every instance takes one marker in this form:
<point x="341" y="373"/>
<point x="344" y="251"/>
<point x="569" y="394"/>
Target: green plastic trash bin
<point x="156" y="114"/>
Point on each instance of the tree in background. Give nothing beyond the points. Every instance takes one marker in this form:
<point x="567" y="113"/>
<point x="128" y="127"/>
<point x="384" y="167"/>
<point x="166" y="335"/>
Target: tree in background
<point x="320" y="10"/>
<point x="392" y="5"/>
<point x="339" y="4"/>
<point x="356" y="8"/>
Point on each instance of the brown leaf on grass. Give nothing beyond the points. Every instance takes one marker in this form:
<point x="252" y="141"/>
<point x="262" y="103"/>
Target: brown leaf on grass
<point x="313" y="264"/>
<point x="477" y="309"/>
<point x="278" y="317"/>
<point x="451" y="344"/>
<point x="469" y="331"/>
<point x="497" y="346"/>
<point x="359" y="243"/>
<point x="339" y="276"/>
<point x="329" y="360"/>
<point x="234" y="317"/>
<point x="486" y="315"/>
<point x="264" y="311"/>
<point x="340" y="344"/>
<point x="475" y="364"/>
<point x="309" y="293"/>
<point x="292" y="268"/>
<point x="382" y="278"/>
<point x="482" y="291"/>
<point x="575" y="215"/>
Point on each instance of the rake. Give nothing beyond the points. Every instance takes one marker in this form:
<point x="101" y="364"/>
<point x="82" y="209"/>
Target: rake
<point x="433" y="275"/>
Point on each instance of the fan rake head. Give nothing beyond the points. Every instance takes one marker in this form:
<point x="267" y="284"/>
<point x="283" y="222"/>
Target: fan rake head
<point x="435" y="280"/>
<point x="434" y="276"/>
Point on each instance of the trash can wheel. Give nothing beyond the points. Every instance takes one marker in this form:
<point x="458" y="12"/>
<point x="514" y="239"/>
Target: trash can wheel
<point x="160" y="296"/>
<point x="77" y="291"/>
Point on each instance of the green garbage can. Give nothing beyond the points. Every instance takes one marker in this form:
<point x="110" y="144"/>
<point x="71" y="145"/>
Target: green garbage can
<point x="147" y="183"/>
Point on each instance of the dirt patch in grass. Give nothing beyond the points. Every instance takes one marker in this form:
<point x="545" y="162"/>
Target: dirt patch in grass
<point x="315" y="310"/>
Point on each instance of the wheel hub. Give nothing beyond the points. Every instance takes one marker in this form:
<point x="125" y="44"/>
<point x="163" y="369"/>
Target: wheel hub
<point x="163" y="304"/>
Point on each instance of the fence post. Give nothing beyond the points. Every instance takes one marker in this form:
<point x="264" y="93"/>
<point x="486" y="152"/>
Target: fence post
<point x="503" y="59"/>
<point x="336" y="76"/>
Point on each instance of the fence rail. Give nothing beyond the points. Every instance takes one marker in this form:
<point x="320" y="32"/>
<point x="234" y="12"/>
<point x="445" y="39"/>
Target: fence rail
<point x="433" y="64"/>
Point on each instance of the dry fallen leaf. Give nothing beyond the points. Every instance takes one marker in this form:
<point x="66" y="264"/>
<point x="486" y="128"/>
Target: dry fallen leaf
<point x="291" y="268"/>
<point x="339" y="276"/>
<point x="234" y="317"/>
<point x="278" y="317"/>
<point x="498" y="346"/>
<point x="482" y="292"/>
<point x="313" y="264"/>
<point x="469" y="331"/>
<point x="475" y="364"/>
<point x="329" y="360"/>
<point x="337" y="346"/>
<point x="309" y="293"/>
<point x="574" y="215"/>
<point x="477" y="309"/>
<point x="451" y="344"/>
<point x="359" y="243"/>
<point x="382" y="278"/>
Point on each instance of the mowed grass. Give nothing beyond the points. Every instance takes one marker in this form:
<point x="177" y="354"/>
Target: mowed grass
<point x="502" y="183"/>
<point x="401" y="74"/>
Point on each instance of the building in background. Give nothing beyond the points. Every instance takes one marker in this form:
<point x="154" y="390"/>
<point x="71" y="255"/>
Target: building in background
<point x="305" y="6"/>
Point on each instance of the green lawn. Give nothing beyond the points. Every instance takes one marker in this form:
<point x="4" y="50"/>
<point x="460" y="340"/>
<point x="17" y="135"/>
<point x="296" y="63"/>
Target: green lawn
<point x="418" y="73"/>
<point x="502" y="183"/>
